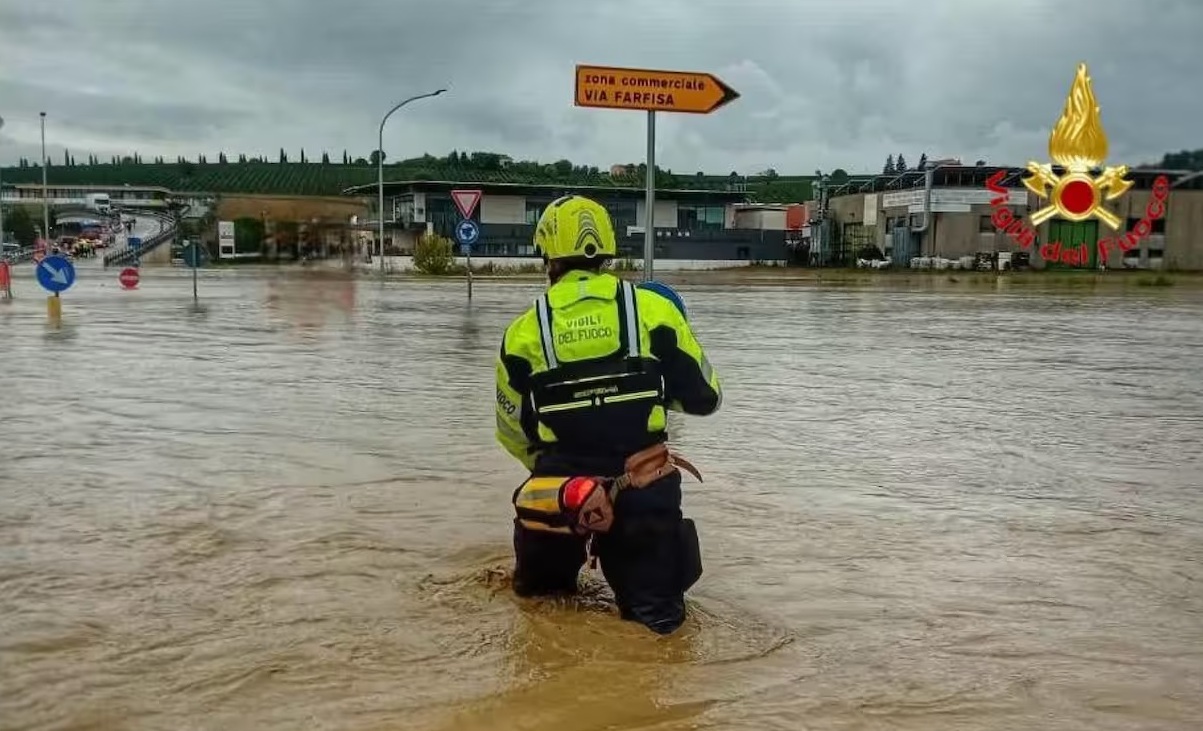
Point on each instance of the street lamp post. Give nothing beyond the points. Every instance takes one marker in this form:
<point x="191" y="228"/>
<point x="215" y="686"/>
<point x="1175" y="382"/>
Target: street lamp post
<point x="45" y="191"/>
<point x="380" y="169"/>
<point x="1" y="199"/>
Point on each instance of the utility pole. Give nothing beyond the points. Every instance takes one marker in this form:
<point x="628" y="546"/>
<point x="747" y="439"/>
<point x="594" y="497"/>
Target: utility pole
<point x="45" y="191"/>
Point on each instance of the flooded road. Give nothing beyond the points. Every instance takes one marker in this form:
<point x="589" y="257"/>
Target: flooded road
<point x="927" y="511"/>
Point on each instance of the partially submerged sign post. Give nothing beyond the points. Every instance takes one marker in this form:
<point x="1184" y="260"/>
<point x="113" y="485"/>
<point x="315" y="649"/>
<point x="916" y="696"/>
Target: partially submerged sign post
<point x="610" y="87"/>
<point x="194" y="257"/>
<point x="129" y="278"/>
<point x="467" y="231"/>
<point x="56" y="274"/>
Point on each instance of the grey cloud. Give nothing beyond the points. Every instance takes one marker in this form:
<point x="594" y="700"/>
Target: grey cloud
<point x="824" y="83"/>
<point x="493" y="119"/>
<point x="121" y="117"/>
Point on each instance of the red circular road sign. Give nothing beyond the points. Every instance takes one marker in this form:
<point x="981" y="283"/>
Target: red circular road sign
<point x="128" y="277"/>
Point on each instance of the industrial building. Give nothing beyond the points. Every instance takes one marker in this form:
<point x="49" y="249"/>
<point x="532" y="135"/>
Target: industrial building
<point x="888" y="212"/>
<point x="699" y="225"/>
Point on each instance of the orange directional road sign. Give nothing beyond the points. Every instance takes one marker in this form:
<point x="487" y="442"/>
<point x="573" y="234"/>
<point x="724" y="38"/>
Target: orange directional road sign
<point x="655" y="91"/>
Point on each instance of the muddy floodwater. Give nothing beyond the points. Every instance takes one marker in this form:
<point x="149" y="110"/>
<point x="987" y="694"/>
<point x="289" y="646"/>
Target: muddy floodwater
<point x="923" y="510"/>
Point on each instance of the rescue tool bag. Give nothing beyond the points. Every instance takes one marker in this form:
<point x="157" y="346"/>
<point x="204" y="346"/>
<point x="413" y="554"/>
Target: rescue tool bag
<point x="569" y="505"/>
<point x="583" y="505"/>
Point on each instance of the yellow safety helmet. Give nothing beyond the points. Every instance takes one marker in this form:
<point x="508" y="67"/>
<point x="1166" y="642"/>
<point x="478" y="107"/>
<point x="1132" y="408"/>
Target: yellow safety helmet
<point x="575" y="227"/>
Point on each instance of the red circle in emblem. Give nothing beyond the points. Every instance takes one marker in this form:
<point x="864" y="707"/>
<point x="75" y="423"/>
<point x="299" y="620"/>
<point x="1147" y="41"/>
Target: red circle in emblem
<point x="1077" y="196"/>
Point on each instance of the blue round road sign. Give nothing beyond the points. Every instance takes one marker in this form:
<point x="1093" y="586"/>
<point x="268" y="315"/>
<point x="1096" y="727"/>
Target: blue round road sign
<point x="194" y="256"/>
<point x="666" y="292"/>
<point x="56" y="274"/>
<point x="467" y="232"/>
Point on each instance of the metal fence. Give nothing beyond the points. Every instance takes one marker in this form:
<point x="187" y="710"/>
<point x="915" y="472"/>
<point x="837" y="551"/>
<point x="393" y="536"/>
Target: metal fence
<point x="129" y="254"/>
<point x="25" y="253"/>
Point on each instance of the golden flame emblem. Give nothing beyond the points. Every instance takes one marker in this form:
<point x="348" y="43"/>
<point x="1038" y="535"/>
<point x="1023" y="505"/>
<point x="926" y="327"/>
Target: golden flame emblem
<point x="1079" y="145"/>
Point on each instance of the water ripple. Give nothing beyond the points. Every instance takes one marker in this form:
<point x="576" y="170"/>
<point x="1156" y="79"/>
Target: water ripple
<point x="922" y="510"/>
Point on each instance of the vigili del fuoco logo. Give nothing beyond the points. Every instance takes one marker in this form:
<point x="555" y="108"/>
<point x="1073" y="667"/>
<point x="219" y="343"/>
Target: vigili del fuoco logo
<point x="1078" y="145"/>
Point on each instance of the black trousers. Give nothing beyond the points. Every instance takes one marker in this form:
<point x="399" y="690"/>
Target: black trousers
<point x="649" y="558"/>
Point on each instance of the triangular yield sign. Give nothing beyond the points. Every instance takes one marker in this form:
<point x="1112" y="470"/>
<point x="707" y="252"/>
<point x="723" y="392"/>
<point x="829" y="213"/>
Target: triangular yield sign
<point x="465" y="201"/>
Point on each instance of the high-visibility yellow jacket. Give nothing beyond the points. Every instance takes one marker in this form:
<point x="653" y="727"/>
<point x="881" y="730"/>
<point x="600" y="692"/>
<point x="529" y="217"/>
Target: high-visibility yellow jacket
<point x="570" y="381"/>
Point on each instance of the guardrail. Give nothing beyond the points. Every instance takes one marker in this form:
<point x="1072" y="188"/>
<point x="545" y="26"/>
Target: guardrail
<point x="129" y="254"/>
<point x="18" y="256"/>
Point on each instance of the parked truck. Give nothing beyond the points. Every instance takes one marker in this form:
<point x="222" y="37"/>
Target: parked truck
<point x="99" y="202"/>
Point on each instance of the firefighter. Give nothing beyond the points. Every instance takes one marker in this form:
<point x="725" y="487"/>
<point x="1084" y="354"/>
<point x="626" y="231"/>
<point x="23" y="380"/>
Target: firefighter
<point x="584" y="380"/>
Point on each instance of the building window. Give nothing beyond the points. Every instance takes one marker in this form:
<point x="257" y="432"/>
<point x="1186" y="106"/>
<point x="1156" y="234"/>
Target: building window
<point x="441" y="213"/>
<point x="534" y="209"/>
<point x="622" y="215"/>
<point x="691" y="217"/>
<point x="1156" y="253"/>
<point x="403" y="209"/>
<point x="985" y="224"/>
<point x="1158" y="226"/>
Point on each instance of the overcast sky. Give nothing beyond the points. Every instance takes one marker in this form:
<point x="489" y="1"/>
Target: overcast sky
<point x="824" y="83"/>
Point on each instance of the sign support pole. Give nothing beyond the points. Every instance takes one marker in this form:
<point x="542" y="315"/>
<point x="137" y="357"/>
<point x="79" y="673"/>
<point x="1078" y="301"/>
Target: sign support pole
<point x="649" y="216"/>
<point x="193" y="257"/>
<point x="467" y="232"/>
<point x="56" y="274"/>
<point x="611" y="87"/>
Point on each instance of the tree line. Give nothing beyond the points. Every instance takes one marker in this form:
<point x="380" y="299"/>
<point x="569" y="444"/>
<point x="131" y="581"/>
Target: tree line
<point x="484" y="162"/>
<point x="898" y="164"/>
<point x="497" y="162"/>
<point x="202" y="159"/>
<point x="1182" y="160"/>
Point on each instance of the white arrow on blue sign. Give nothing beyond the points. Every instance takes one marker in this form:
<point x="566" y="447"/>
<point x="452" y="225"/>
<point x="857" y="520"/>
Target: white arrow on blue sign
<point x="467" y="232"/>
<point x="56" y="274"/>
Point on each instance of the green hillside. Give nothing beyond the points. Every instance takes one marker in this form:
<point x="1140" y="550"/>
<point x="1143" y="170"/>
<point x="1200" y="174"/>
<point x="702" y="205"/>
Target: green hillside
<point x="327" y="178"/>
<point x="324" y="177"/>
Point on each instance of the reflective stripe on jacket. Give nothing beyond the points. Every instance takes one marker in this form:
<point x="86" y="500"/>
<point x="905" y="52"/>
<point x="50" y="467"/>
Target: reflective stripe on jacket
<point x="584" y="323"/>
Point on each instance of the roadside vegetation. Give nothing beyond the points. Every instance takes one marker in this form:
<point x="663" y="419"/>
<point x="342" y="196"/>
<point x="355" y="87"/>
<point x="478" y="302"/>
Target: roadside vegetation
<point x="434" y="256"/>
<point x="21" y="223"/>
